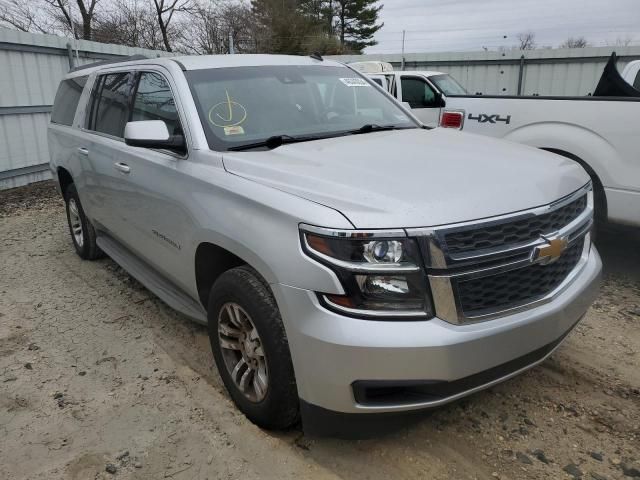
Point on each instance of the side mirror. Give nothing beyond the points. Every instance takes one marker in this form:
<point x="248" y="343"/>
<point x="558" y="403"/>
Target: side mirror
<point x="152" y="134"/>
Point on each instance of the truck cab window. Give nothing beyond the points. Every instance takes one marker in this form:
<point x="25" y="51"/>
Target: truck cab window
<point x="110" y="109"/>
<point x="417" y="93"/>
<point x="66" y="101"/>
<point x="154" y="101"/>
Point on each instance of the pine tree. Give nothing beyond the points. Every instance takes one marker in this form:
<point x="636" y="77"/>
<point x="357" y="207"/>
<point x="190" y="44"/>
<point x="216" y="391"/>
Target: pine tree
<point x="281" y="28"/>
<point x="356" y="23"/>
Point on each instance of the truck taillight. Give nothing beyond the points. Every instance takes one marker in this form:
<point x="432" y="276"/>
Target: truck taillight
<point x="452" y="119"/>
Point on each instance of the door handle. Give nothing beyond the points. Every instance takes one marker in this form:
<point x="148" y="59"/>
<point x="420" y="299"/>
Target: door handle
<point x="83" y="151"/>
<point x="123" y="167"/>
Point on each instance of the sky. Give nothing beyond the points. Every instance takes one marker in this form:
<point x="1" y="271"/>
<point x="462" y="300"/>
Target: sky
<point x="460" y="25"/>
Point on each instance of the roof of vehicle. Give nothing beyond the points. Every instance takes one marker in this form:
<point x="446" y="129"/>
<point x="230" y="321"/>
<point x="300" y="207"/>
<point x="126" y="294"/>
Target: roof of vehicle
<point x="200" y="62"/>
<point x="426" y="73"/>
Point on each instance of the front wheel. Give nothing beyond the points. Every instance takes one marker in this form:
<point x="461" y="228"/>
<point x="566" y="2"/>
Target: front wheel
<point x="250" y="348"/>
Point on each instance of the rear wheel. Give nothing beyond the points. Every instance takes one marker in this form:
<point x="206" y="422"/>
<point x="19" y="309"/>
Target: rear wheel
<point x="83" y="235"/>
<point x="250" y="348"/>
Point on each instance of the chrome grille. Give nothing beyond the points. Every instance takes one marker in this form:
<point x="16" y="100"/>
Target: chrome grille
<point x="482" y="270"/>
<point x="516" y="287"/>
<point x="514" y="232"/>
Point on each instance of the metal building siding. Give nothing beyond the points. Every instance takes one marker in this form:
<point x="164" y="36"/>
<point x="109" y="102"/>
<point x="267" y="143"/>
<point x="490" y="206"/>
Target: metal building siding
<point x="31" y="67"/>
<point x="566" y="72"/>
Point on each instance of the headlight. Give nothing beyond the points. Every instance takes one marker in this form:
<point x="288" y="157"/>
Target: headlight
<point x="380" y="271"/>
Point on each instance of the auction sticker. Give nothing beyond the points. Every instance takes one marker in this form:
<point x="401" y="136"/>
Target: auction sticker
<point x="234" y="130"/>
<point x="355" y="82"/>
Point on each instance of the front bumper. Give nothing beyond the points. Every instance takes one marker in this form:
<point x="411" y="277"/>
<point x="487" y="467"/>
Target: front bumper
<point x="331" y="352"/>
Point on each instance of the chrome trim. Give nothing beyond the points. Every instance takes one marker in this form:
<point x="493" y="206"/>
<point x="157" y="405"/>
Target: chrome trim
<point x="486" y="262"/>
<point x="360" y="234"/>
<point x="358" y="312"/>
<point x="449" y="308"/>
<point x="361" y="267"/>
<point x="436" y="245"/>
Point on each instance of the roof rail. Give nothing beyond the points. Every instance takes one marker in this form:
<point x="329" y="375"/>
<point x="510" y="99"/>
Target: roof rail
<point x="108" y="62"/>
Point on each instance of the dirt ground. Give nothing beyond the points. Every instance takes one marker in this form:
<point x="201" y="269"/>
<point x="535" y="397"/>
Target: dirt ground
<point x="97" y="376"/>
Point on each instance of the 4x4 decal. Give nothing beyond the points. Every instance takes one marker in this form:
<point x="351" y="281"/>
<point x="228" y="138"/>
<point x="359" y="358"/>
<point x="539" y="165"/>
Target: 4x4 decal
<point x="484" y="118"/>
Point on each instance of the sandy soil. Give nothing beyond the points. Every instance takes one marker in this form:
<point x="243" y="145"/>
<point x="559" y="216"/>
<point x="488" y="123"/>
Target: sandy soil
<point x="98" y="375"/>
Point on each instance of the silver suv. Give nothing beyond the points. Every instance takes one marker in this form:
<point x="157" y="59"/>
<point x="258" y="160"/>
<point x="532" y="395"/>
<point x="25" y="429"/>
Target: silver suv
<point x="346" y="259"/>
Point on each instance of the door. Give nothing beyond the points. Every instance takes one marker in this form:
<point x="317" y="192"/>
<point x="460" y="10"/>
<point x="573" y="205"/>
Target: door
<point x="104" y="127"/>
<point x="422" y="98"/>
<point x="155" y="224"/>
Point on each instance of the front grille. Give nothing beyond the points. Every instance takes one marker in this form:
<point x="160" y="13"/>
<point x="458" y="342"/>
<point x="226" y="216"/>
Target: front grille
<point x="514" y="232"/>
<point x="517" y="287"/>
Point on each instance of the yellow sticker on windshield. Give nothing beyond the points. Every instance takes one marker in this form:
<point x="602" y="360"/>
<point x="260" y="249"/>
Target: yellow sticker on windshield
<point x="228" y="113"/>
<point x="234" y="130"/>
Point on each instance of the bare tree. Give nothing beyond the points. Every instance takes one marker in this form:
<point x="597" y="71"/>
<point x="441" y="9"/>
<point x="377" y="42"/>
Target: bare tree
<point x="527" y="40"/>
<point x="623" y="41"/>
<point x="24" y="16"/>
<point x="131" y="23"/>
<point x="165" y="10"/>
<point x="574" y="42"/>
<point x="62" y="10"/>
<point x="209" y="27"/>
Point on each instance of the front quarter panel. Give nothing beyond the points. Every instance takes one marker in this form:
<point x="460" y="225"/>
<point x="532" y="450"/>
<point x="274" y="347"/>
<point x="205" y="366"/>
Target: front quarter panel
<point x="259" y="224"/>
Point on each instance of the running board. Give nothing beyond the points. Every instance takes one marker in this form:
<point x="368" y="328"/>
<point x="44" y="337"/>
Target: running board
<point x="151" y="279"/>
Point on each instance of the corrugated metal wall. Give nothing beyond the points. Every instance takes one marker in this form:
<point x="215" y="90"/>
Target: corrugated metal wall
<point x="566" y="72"/>
<point x="31" y="67"/>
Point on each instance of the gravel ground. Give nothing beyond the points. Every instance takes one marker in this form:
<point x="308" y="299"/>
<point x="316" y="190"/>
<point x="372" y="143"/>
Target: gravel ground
<point x="100" y="379"/>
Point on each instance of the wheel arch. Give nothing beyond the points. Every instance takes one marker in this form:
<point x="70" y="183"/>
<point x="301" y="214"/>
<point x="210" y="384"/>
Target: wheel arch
<point x="211" y="261"/>
<point x="600" y="196"/>
<point x="64" y="179"/>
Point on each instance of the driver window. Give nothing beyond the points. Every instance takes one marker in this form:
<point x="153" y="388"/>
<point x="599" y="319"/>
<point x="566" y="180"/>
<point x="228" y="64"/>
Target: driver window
<point x="154" y="101"/>
<point x="417" y="93"/>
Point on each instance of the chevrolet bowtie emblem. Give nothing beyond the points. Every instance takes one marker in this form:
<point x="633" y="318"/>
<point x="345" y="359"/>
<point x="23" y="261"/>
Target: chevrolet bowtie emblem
<point x="549" y="253"/>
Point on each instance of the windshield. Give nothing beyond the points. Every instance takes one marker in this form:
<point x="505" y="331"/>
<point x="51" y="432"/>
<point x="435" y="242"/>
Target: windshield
<point x="245" y="105"/>
<point x="448" y="85"/>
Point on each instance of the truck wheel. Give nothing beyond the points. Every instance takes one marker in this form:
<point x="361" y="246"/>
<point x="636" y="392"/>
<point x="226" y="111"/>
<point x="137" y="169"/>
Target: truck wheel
<point x="250" y="348"/>
<point x="82" y="232"/>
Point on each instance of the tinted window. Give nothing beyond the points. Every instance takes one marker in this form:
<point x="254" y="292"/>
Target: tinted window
<point x="636" y="84"/>
<point x="448" y="85"/>
<point x="67" y="98"/>
<point x="244" y="105"/>
<point x="417" y="93"/>
<point x="154" y="101"/>
<point x="110" y="110"/>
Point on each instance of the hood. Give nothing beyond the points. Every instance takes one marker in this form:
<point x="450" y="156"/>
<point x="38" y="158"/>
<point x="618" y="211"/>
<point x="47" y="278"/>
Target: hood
<point x="413" y="178"/>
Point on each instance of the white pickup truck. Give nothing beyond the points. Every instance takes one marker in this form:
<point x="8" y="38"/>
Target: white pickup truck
<point x="602" y="133"/>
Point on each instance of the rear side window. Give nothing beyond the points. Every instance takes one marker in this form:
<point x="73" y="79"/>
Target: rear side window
<point x="636" y="84"/>
<point x="67" y="98"/>
<point x="110" y="107"/>
<point x="154" y="101"/>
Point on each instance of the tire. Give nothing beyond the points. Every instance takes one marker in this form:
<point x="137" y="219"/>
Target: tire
<point x="240" y="294"/>
<point x="83" y="235"/>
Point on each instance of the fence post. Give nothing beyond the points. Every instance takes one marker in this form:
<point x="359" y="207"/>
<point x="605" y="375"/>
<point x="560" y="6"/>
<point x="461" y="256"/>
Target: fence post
<point x="520" y="75"/>
<point x="70" y="55"/>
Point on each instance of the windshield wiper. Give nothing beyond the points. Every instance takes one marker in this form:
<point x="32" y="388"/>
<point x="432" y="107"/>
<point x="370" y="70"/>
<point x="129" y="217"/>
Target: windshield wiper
<point x="273" y="142"/>
<point x="374" y="127"/>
